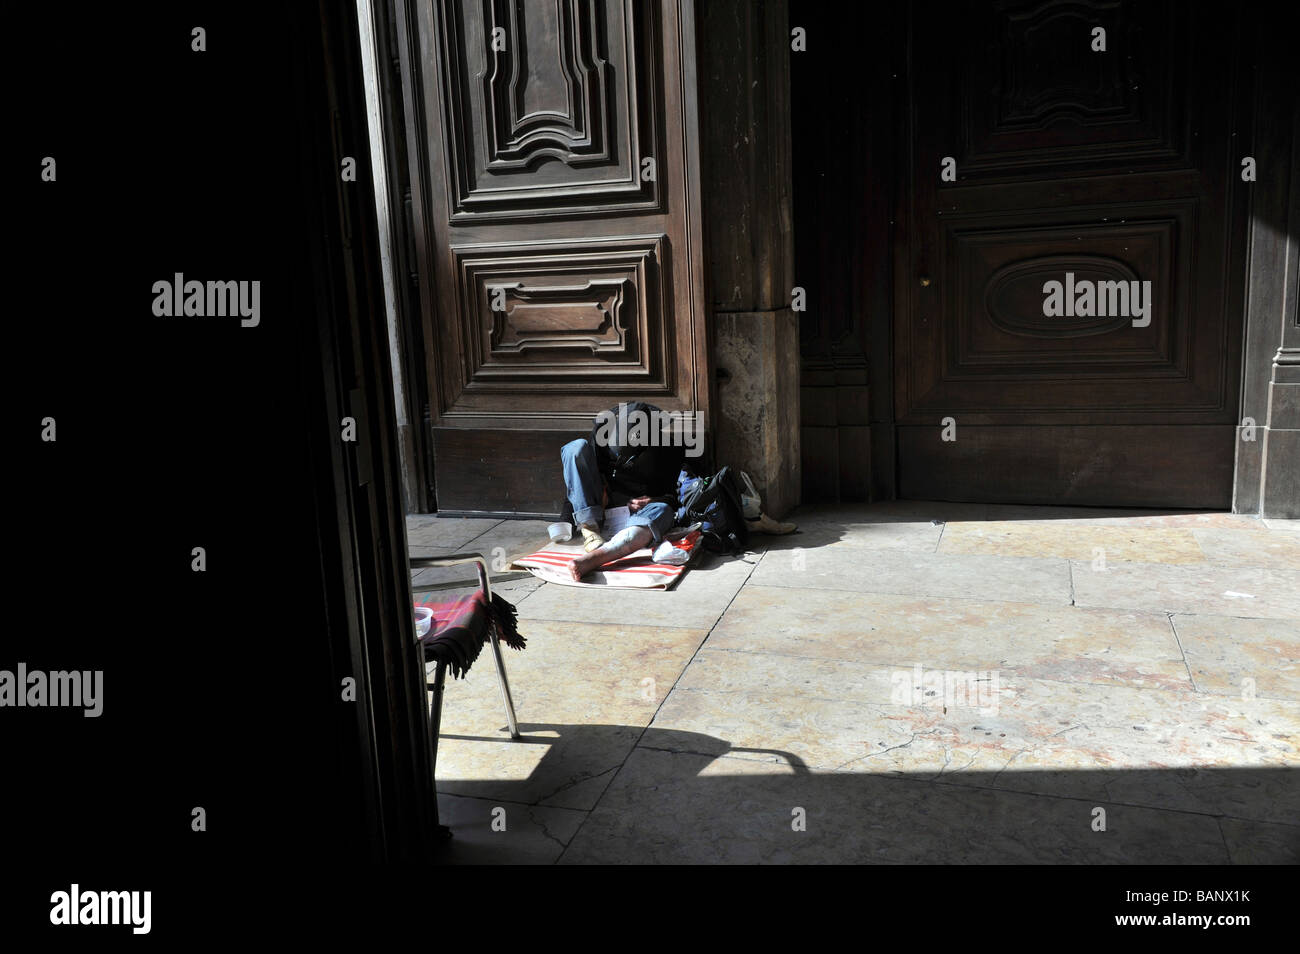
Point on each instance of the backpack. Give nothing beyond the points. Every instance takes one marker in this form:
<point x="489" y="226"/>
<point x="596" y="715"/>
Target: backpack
<point x="714" y="503"/>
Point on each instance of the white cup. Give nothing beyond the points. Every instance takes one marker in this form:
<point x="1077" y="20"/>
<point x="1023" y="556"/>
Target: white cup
<point x="423" y="620"/>
<point x="560" y="532"/>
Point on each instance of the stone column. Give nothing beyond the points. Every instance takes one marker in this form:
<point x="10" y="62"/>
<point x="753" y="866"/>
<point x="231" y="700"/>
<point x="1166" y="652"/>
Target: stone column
<point x="1267" y="479"/>
<point x="744" y="93"/>
<point x="1279" y="491"/>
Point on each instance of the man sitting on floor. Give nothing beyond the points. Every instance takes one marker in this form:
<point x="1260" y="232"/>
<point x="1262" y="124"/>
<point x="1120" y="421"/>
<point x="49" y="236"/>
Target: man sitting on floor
<point x="620" y="465"/>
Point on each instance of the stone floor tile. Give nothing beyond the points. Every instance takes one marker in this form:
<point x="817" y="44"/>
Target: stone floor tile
<point x="1108" y="647"/>
<point x="1216" y="590"/>
<point x="1223" y="652"/>
<point x="431" y="576"/>
<point x="430" y="530"/>
<point x="679" y="808"/>
<point x="1163" y="749"/>
<point x="574" y="672"/>
<point x="1243" y="548"/>
<point x="918" y="512"/>
<point x="892" y="535"/>
<point x="582" y="694"/>
<point x="1281" y="523"/>
<point x="502" y="541"/>
<point x="533" y="834"/>
<point x="1260" y="843"/>
<point x="514" y="587"/>
<point x="565" y="766"/>
<point x="511" y="538"/>
<point x="1124" y="517"/>
<point x="1073" y="541"/>
<point x="908" y="573"/>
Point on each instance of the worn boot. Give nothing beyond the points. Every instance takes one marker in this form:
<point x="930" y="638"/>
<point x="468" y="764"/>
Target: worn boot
<point x="591" y="538"/>
<point x="765" y="524"/>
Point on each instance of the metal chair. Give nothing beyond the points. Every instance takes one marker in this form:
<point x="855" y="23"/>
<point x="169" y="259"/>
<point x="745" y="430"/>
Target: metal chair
<point x="436" y="673"/>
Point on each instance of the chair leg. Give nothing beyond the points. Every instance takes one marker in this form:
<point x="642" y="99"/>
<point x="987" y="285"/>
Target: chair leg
<point x="435" y="726"/>
<point x="505" y="686"/>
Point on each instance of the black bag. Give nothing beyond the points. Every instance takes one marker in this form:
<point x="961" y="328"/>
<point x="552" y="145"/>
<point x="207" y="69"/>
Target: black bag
<point x="714" y="503"/>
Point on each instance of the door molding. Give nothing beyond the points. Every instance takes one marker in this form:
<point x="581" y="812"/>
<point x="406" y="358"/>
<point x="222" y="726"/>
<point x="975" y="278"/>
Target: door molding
<point x="1146" y="179"/>
<point x="601" y="269"/>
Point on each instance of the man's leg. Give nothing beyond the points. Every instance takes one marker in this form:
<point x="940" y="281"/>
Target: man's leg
<point x="628" y="540"/>
<point x="582" y="482"/>
<point x="657" y="517"/>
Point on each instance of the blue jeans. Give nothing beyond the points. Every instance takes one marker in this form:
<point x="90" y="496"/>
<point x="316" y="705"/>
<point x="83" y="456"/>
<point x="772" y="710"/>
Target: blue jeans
<point x="584" y="484"/>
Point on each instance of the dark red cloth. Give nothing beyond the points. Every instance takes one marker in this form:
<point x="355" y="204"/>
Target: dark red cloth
<point x="461" y="626"/>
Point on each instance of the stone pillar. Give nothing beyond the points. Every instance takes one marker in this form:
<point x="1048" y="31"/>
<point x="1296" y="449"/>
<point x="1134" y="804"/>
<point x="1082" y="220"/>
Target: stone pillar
<point x="744" y="71"/>
<point x="1267" y="479"/>
<point x="1279" y="492"/>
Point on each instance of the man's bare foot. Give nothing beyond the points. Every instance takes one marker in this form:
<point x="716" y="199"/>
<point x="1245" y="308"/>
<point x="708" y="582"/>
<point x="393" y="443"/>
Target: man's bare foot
<point x="579" y="568"/>
<point x="626" y="541"/>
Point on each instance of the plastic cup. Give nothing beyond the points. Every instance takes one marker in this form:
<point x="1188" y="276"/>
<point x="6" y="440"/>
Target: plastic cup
<point x="423" y="620"/>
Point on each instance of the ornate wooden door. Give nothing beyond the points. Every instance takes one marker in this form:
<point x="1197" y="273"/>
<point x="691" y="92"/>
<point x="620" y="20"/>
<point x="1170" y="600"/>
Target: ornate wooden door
<point x="1115" y="165"/>
<point x="558" y="203"/>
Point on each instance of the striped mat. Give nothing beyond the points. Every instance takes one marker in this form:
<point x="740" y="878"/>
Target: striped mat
<point x="634" y="571"/>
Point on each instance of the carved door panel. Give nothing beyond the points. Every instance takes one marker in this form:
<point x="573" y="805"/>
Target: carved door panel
<point x="558" y="202"/>
<point x="1113" y="166"/>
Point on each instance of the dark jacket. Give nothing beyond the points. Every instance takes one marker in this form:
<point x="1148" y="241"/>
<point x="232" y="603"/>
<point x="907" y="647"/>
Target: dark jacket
<point x="638" y="471"/>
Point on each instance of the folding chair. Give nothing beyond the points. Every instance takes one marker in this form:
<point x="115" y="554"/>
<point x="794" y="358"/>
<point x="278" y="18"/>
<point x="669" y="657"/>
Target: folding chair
<point x="436" y="672"/>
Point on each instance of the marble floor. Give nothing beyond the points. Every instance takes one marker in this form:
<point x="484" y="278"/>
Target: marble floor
<point x="899" y="682"/>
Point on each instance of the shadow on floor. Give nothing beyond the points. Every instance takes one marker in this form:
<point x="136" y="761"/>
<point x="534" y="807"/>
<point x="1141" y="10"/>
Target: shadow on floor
<point x="676" y="799"/>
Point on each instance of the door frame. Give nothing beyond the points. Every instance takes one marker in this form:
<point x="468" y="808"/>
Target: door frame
<point x="380" y="735"/>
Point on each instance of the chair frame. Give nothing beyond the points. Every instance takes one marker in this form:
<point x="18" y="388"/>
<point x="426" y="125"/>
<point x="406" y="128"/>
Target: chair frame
<point x="436" y="686"/>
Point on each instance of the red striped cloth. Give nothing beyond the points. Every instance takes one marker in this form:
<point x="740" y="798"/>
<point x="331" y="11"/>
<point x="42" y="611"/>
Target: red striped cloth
<point x="635" y="571"/>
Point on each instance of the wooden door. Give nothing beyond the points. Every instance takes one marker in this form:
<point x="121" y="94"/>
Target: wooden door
<point x="557" y="202"/>
<point x="1111" y="166"/>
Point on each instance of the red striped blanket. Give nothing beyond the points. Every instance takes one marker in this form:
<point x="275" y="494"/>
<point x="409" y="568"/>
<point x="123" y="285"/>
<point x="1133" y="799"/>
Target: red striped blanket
<point x="635" y="571"/>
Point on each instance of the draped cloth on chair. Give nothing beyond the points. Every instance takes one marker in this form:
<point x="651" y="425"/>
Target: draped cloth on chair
<point x="461" y="626"/>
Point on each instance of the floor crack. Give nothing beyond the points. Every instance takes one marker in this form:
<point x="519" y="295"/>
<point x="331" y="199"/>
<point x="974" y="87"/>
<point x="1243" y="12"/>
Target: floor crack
<point x="1020" y="752"/>
<point x="545" y="830"/>
<point x="586" y="777"/>
<point x="1173" y="627"/>
<point x="871" y="755"/>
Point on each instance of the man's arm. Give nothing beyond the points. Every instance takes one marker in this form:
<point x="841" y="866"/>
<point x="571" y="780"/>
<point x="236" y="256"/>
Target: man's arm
<point x="669" y="462"/>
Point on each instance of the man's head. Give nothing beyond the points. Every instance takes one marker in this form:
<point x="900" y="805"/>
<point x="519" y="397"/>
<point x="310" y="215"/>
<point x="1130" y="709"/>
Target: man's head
<point x="632" y="426"/>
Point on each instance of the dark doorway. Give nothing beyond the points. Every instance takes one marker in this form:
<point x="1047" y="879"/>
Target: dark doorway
<point x="844" y="123"/>
<point x="1112" y="166"/>
<point x="1072" y="165"/>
